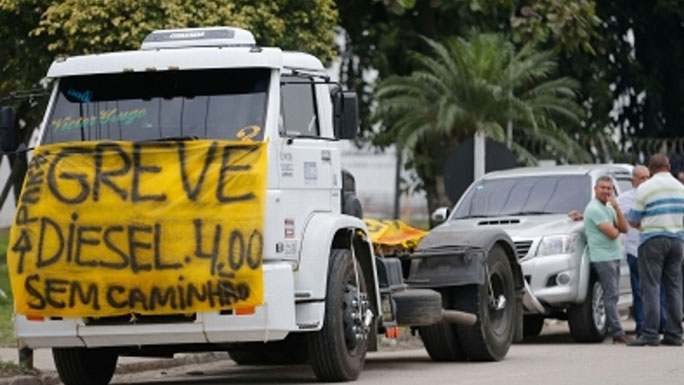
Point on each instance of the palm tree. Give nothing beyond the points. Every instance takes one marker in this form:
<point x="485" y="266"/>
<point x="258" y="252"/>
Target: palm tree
<point x="480" y="84"/>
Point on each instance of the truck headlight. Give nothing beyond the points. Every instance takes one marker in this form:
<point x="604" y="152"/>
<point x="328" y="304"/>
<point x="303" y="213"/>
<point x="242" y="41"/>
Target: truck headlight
<point x="557" y="244"/>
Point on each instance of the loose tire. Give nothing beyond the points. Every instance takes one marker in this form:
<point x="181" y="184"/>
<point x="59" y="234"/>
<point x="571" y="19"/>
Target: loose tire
<point x="587" y="320"/>
<point x="532" y="325"/>
<point x="81" y="366"/>
<point x="335" y="352"/>
<point x="418" y="307"/>
<point x="441" y="339"/>
<point x="494" y="303"/>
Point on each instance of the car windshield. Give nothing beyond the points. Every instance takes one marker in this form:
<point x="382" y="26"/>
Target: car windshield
<point x="133" y="106"/>
<point x="530" y="195"/>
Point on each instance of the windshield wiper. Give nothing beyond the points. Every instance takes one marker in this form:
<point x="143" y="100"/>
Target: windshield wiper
<point x="172" y="139"/>
<point x="291" y="138"/>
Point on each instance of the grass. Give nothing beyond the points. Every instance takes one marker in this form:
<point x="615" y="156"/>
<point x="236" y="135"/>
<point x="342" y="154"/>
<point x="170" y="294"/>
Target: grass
<point x="9" y="368"/>
<point x="6" y="311"/>
<point x="4" y="239"/>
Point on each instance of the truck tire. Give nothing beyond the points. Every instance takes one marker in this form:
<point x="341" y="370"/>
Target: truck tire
<point x="335" y="352"/>
<point x="290" y="351"/>
<point x="532" y="325"/>
<point x="587" y="320"/>
<point x="441" y="339"/>
<point x="418" y="307"/>
<point x="494" y="303"/>
<point x="82" y="366"/>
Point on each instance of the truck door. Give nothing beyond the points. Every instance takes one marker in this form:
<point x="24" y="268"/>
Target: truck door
<point x="308" y="156"/>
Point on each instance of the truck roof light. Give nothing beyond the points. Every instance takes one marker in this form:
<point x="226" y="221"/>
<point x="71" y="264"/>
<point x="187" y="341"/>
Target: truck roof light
<point x="198" y="37"/>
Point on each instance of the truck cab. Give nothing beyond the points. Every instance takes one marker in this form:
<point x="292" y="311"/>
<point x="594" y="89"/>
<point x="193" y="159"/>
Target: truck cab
<point x="181" y="88"/>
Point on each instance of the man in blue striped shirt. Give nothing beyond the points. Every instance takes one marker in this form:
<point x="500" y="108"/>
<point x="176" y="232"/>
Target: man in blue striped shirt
<point x="658" y="212"/>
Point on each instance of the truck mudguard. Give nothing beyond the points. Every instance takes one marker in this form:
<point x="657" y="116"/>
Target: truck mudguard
<point x="324" y="232"/>
<point x="452" y="258"/>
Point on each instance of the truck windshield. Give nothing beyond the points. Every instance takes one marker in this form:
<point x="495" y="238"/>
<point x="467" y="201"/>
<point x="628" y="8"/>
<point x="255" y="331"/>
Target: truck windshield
<point x="213" y="104"/>
<point x="530" y="195"/>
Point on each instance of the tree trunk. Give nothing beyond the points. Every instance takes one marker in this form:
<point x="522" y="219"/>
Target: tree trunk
<point x="479" y="156"/>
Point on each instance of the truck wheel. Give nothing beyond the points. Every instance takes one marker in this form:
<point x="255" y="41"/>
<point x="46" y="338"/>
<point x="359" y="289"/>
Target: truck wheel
<point x="587" y="320"/>
<point x="494" y="303"/>
<point x="338" y="350"/>
<point x="441" y="339"/>
<point x="82" y="366"/>
<point x="532" y="325"/>
<point x="290" y="351"/>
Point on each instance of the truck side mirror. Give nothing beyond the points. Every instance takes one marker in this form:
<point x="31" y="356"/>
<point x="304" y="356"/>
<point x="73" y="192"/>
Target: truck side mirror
<point x="440" y="215"/>
<point x="8" y="131"/>
<point x="346" y="115"/>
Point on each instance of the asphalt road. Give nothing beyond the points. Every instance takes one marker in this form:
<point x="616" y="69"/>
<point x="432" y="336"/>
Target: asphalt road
<point x="552" y="358"/>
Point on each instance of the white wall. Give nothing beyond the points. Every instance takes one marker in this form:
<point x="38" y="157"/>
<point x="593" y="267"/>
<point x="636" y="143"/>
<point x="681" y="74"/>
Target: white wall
<point x="374" y="172"/>
<point x="7" y="211"/>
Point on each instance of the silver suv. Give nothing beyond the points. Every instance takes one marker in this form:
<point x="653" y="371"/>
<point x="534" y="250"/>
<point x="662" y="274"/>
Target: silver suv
<point x="531" y="204"/>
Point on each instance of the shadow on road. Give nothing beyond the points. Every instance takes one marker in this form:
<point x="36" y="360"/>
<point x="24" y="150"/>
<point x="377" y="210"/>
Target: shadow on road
<point x="559" y="333"/>
<point x="549" y="338"/>
<point x="256" y="375"/>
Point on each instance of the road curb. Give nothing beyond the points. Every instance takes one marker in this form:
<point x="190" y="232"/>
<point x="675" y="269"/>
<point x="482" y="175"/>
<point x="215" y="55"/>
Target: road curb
<point x="51" y="377"/>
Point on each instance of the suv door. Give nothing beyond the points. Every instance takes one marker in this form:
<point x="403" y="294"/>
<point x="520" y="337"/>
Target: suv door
<point x="622" y="184"/>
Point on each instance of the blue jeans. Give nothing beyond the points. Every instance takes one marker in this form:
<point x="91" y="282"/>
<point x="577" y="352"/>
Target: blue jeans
<point x="609" y="277"/>
<point x="660" y="267"/>
<point x="637" y="303"/>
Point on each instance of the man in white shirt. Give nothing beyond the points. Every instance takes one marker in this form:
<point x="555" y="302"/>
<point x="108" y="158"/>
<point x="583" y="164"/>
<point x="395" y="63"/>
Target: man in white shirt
<point x="630" y="241"/>
<point x="658" y="212"/>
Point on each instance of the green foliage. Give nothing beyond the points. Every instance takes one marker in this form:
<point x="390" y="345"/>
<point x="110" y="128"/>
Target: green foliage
<point x="92" y="26"/>
<point x="3" y="248"/>
<point x="381" y="32"/>
<point x="476" y="84"/>
<point x="9" y="368"/>
<point x="565" y="25"/>
<point x="6" y="310"/>
<point x="648" y="74"/>
<point x="34" y="32"/>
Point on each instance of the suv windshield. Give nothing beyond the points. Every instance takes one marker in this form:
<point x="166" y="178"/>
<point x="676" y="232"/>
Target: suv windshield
<point x="530" y="195"/>
<point x="217" y="104"/>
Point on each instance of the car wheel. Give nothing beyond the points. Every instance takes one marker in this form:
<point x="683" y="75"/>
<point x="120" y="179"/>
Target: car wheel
<point x="587" y="320"/>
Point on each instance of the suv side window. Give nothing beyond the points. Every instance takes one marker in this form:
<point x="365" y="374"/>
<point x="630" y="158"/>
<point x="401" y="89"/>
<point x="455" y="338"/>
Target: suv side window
<point x="298" y="112"/>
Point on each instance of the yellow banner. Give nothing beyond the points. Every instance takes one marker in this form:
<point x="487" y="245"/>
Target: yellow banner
<point x="110" y="228"/>
<point x="393" y="233"/>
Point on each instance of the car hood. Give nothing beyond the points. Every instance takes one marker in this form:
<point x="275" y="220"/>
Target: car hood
<point x="517" y="227"/>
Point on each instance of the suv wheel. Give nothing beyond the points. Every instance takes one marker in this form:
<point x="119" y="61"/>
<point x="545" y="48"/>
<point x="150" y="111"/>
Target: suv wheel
<point x="587" y="321"/>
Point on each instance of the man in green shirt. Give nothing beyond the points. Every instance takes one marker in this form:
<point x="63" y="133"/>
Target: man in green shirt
<point x="603" y="223"/>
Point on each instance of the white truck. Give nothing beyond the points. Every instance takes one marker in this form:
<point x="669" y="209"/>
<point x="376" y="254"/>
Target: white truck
<point x="324" y="295"/>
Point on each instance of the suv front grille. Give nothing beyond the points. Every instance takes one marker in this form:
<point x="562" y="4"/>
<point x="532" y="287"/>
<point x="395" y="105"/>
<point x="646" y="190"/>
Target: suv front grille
<point x="522" y="248"/>
<point x="491" y="222"/>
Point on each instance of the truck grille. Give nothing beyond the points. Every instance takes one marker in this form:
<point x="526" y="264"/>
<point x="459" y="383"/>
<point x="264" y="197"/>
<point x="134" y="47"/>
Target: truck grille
<point x="522" y="248"/>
